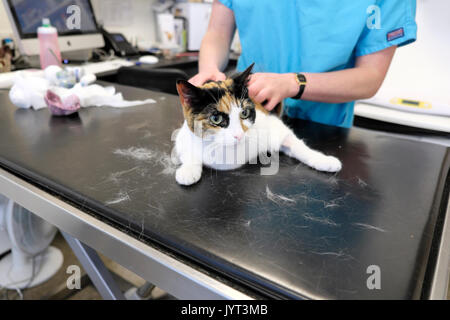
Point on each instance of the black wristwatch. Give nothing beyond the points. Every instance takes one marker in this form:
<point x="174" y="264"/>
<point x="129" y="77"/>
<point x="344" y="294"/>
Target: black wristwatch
<point x="301" y="80"/>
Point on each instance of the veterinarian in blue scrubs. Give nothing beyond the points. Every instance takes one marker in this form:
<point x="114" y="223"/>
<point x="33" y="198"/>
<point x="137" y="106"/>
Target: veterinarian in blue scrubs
<point x="319" y="56"/>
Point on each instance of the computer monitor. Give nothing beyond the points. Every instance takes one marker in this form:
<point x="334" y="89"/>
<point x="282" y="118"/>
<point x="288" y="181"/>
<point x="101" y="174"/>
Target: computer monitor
<point x="26" y="16"/>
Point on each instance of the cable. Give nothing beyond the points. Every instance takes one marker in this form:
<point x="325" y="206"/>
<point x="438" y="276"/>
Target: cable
<point x="35" y="267"/>
<point x="7" y="287"/>
<point x="4" y="254"/>
<point x="34" y="271"/>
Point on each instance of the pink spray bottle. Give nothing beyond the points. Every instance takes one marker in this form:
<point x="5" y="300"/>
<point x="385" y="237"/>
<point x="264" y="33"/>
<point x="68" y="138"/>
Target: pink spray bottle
<point x="49" y="47"/>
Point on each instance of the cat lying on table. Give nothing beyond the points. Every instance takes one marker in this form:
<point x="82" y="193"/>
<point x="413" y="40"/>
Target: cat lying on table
<point x="221" y="121"/>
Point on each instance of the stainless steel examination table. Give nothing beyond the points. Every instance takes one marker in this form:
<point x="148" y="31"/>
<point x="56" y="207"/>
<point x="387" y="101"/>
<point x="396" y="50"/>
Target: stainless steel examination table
<point x="104" y="178"/>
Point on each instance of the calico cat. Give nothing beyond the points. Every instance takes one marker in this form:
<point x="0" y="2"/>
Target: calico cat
<point x="224" y="129"/>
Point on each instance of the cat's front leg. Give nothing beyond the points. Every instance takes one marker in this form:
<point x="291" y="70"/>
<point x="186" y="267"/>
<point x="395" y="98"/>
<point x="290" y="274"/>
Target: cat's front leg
<point x="188" y="173"/>
<point x="188" y="149"/>
<point x="296" y="148"/>
<point x="191" y="167"/>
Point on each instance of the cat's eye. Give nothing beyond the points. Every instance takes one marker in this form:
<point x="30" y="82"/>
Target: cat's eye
<point x="245" y="113"/>
<point x="216" y="119"/>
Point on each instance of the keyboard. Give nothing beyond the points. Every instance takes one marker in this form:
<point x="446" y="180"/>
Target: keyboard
<point x="7" y="78"/>
<point x="105" y="66"/>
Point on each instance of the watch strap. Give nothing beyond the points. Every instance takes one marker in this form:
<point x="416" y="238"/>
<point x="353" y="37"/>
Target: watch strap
<point x="301" y="80"/>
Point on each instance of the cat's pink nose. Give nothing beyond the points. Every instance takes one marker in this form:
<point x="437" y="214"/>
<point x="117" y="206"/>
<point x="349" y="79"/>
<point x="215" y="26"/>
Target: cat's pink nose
<point x="239" y="136"/>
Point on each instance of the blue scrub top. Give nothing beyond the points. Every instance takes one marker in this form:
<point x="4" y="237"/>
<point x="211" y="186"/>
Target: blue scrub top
<point x="319" y="36"/>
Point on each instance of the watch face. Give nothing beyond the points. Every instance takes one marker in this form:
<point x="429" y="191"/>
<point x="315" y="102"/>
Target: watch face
<point x="301" y="78"/>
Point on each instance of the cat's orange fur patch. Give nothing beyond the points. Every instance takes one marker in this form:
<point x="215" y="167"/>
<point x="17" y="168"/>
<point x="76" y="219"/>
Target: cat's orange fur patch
<point x="244" y="127"/>
<point x="278" y="110"/>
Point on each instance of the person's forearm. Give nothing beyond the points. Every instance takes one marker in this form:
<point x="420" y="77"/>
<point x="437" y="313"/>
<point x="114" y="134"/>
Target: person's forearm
<point x="360" y="82"/>
<point x="329" y="87"/>
<point x="342" y="86"/>
<point x="214" y="52"/>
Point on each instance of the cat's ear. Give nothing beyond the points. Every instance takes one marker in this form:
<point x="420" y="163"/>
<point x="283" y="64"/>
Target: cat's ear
<point x="241" y="79"/>
<point x="189" y="94"/>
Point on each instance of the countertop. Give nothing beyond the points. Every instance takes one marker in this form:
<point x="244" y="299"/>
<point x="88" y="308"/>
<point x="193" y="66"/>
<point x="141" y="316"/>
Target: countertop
<point x="297" y="234"/>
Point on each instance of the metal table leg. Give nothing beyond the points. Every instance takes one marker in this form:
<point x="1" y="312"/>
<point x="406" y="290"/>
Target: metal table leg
<point x="95" y="268"/>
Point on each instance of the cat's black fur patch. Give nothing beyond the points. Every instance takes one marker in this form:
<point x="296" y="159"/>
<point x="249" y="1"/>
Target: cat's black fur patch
<point x="240" y="82"/>
<point x="214" y="93"/>
<point x="252" y="116"/>
<point x="199" y="98"/>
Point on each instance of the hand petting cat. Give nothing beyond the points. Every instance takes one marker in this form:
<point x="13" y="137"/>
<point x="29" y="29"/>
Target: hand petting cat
<point x="272" y="88"/>
<point x="210" y="74"/>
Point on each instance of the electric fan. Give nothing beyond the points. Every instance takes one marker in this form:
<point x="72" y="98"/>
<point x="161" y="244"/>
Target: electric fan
<point x="4" y="240"/>
<point x="32" y="260"/>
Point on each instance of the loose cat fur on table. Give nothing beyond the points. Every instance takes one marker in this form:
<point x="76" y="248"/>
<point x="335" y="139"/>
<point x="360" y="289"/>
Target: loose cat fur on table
<point x="222" y="120"/>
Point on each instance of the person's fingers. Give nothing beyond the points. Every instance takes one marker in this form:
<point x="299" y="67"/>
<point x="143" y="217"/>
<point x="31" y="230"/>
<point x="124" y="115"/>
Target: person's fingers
<point x="261" y="96"/>
<point x="271" y="104"/>
<point x="200" y="79"/>
<point x="194" y="80"/>
<point x="220" y="76"/>
<point x="255" y="88"/>
<point x="253" y="78"/>
<point x="252" y="91"/>
<point x="203" y="78"/>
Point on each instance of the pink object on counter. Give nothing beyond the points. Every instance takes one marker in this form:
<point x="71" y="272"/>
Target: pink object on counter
<point x="60" y="107"/>
<point x="48" y="43"/>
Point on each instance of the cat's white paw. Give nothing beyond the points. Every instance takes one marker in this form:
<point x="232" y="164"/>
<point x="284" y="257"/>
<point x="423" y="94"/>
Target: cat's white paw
<point x="326" y="163"/>
<point x="188" y="174"/>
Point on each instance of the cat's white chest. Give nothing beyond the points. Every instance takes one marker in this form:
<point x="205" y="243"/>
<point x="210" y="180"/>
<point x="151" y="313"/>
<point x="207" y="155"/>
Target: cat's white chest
<point x="228" y="157"/>
<point x="220" y="156"/>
